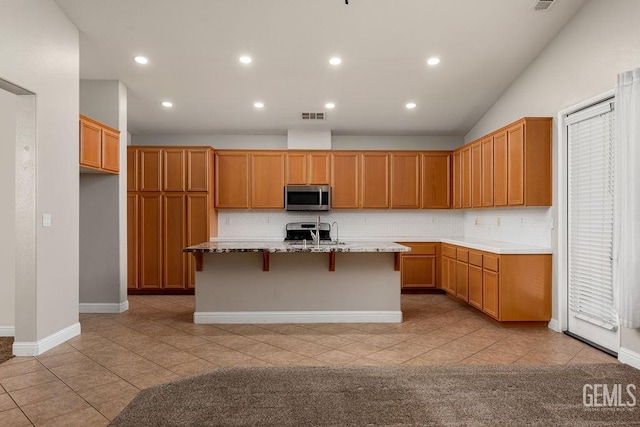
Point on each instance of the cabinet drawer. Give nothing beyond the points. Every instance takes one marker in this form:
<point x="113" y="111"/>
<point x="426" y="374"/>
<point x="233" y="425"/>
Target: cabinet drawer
<point x="421" y="248"/>
<point x="475" y="258"/>
<point x="449" y="251"/>
<point x="462" y="255"/>
<point x="491" y="262"/>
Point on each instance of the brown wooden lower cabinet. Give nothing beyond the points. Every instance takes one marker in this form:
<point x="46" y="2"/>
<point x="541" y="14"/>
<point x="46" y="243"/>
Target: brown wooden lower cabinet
<point x="418" y="268"/>
<point x="508" y="288"/>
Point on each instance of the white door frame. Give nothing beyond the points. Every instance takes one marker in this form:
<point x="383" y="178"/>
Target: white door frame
<point x="562" y="275"/>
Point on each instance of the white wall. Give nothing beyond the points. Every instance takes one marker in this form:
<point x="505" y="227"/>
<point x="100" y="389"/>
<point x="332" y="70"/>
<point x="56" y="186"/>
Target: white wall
<point x="103" y="206"/>
<point x="7" y="212"/>
<point x="352" y="224"/>
<point x="39" y="51"/>
<point x="583" y="61"/>
<point x="279" y="142"/>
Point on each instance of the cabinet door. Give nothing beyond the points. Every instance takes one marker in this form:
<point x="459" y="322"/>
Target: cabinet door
<point x="457" y="179"/>
<point x="476" y="175"/>
<point x="487" y="172"/>
<point x="198" y="171"/>
<point x="232" y="180"/>
<point x="418" y="271"/>
<point x="475" y="286"/>
<point x="150" y="169"/>
<point x="110" y="151"/>
<point x="345" y="180"/>
<point x="132" y="241"/>
<point x="436" y="181"/>
<point x="197" y="229"/>
<point x="466" y="177"/>
<point x="296" y="169"/>
<point x="173" y="259"/>
<point x="150" y="241"/>
<point x="405" y="180"/>
<point x="451" y="271"/>
<point x="90" y="144"/>
<point x="132" y="169"/>
<point x="462" y="280"/>
<point x="490" y="293"/>
<point x="500" y="169"/>
<point x="267" y="181"/>
<point x="375" y="180"/>
<point x="174" y="169"/>
<point x="318" y="172"/>
<point x="515" y="165"/>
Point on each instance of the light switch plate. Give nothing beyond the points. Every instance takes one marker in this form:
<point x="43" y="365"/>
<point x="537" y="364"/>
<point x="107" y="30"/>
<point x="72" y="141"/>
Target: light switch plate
<point x="46" y="220"/>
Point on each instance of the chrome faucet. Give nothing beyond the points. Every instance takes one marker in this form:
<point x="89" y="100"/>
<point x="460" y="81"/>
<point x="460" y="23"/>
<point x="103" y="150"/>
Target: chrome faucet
<point x="316" y="236"/>
<point x="335" y="225"/>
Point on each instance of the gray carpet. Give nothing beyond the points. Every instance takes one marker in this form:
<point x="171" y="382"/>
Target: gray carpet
<point x="6" y="351"/>
<point x="433" y="395"/>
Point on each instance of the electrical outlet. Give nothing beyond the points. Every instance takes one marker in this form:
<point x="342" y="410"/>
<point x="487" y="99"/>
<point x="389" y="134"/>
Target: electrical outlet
<point x="477" y="221"/>
<point x="521" y="222"/>
<point x="227" y="221"/>
<point x="268" y="220"/>
<point x="498" y="222"/>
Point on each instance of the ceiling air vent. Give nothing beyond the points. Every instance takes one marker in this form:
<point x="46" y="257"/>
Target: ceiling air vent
<point x="313" y="116"/>
<point x="542" y="5"/>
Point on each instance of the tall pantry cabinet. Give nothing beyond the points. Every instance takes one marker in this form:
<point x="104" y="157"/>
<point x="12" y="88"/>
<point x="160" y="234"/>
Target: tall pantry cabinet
<point x="169" y="204"/>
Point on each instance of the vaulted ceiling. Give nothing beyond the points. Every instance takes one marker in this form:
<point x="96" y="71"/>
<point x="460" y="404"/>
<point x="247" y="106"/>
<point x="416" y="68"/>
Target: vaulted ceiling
<point x="193" y="48"/>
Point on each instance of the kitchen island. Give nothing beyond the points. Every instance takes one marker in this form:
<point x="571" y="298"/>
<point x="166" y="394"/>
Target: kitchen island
<point x="277" y="282"/>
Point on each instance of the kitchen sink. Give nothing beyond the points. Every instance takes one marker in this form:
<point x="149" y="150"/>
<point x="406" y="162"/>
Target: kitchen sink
<point x="310" y="243"/>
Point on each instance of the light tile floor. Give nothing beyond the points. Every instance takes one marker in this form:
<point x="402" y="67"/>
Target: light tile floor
<point x="88" y="380"/>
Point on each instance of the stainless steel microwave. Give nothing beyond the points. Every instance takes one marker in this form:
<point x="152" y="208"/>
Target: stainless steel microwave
<point x="307" y="197"/>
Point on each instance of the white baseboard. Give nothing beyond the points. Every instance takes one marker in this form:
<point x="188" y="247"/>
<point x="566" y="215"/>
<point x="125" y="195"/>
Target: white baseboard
<point x="554" y="325"/>
<point x="298" y="317"/>
<point x="629" y="357"/>
<point x="47" y="343"/>
<point x="7" y="331"/>
<point x="104" y="307"/>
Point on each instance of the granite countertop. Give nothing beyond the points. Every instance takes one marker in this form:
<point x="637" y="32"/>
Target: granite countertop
<point x="365" y="245"/>
<point x="268" y="245"/>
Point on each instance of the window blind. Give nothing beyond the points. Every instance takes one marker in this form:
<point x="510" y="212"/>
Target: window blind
<point x="591" y="173"/>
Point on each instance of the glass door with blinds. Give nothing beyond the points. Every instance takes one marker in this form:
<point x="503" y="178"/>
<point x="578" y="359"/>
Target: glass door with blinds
<point x="591" y="172"/>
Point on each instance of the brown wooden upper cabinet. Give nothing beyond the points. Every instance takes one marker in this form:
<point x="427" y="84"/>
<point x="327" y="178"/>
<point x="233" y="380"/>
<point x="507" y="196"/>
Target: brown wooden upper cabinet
<point x="510" y="167"/>
<point x="487" y="171"/>
<point x="232" y="180"/>
<point x="267" y="180"/>
<point x="132" y="169"/>
<point x="345" y="180"/>
<point x="456" y="193"/>
<point x="500" y="169"/>
<point x="199" y="162"/>
<point x="465" y="160"/>
<point x="150" y="168"/>
<point x="375" y="180"/>
<point x="99" y="146"/>
<point x="435" y="181"/>
<point x="476" y="175"/>
<point x="308" y="168"/>
<point x="174" y="169"/>
<point x="405" y="180"/>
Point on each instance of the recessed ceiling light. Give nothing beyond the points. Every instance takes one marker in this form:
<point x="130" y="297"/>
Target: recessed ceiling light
<point x="329" y="105"/>
<point x="258" y="104"/>
<point x="245" y="59"/>
<point x="335" y="61"/>
<point x="410" y="105"/>
<point x="141" y="59"/>
<point x="434" y="60"/>
<point x="167" y="104"/>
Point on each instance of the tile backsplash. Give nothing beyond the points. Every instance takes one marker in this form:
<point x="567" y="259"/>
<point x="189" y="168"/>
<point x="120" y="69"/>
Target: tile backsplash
<point x="527" y="226"/>
<point x="352" y="224"/>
